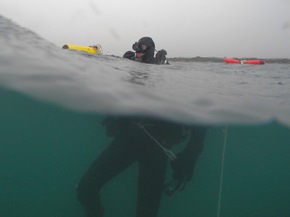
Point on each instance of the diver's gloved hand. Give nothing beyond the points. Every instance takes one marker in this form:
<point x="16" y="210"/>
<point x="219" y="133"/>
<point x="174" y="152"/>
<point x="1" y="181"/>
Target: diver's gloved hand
<point x="183" y="166"/>
<point x="129" y="55"/>
<point x="161" y="57"/>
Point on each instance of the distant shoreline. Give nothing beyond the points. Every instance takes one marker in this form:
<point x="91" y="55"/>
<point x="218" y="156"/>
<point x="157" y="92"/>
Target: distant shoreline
<point x="219" y="59"/>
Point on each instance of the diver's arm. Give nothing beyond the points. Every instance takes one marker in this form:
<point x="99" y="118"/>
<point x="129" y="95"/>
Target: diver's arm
<point x="196" y="141"/>
<point x="183" y="166"/>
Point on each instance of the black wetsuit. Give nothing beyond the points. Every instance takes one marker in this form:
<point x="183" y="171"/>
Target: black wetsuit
<point x="131" y="144"/>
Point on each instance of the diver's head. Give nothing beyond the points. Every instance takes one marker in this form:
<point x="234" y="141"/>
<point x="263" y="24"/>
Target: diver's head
<point x="144" y="49"/>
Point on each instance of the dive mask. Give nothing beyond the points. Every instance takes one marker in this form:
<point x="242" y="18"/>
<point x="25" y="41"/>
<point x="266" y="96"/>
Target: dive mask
<point x="139" y="47"/>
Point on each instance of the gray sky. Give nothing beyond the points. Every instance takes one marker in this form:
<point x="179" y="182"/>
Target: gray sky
<point x="185" y="28"/>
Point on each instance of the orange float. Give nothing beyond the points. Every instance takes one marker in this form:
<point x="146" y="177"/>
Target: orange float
<point x="250" y="61"/>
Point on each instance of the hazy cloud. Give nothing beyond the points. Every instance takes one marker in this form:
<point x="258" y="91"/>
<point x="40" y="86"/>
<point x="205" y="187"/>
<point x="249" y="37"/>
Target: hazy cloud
<point x="187" y="28"/>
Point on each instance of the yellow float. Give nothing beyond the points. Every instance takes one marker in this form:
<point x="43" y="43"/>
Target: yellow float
<point x="94" y="49"/>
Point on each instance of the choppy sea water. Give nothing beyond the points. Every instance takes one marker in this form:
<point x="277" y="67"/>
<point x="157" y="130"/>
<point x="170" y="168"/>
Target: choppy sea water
<point x="52" y="102"/>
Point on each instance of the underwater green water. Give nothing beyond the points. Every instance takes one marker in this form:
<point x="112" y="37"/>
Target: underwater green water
<point x="45" y="150"/>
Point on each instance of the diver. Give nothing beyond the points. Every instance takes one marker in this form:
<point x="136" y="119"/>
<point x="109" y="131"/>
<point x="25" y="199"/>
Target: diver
<point x="147" y="141"/>
<point x="144" y="52"/>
